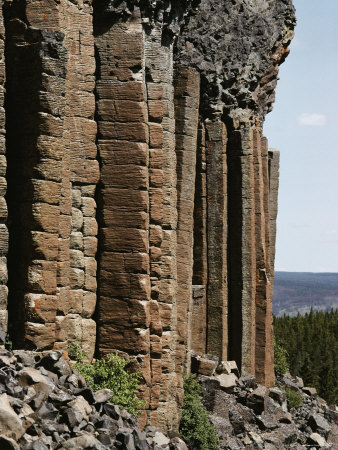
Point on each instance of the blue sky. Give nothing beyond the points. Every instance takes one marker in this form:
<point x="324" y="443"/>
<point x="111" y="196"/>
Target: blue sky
<point x="304" y="127"/>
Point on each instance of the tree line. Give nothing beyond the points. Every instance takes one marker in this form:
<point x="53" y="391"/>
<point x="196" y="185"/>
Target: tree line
<point x="311" y="344"/>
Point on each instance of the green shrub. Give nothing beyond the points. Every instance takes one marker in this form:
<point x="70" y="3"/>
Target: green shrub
<point x="111" y="373"/>
<point x="294" y="398"/>
<point x="195" y="426"/>
<point x="75" y="352"/>
<point x="280" y="358"/>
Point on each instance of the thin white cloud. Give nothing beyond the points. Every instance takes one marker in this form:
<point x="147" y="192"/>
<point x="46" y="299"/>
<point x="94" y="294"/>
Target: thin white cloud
<point x="331" y="233"/>
<point x="311" y="120"/>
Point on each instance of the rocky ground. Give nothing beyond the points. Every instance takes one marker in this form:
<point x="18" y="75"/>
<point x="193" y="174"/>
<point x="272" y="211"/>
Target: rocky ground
<point x="248" y="415"/>
<point x="44" y="404"/>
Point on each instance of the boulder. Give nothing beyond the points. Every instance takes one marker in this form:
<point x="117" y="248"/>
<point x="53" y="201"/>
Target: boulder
<point x="10" y="423"/>
<point x="203" y="364"/>
<point x="85" y="441"/>
<point x="310" y="391"/>
<point x="227" y="381"/>
<point x="256" y="399"/>
<point x="319" y="424"/>
<point x="7" y="443"/>
<point x="318" y="440"/>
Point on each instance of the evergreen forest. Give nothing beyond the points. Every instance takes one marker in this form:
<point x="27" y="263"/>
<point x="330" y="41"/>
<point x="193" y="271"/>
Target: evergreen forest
<point x="311" y="344"/>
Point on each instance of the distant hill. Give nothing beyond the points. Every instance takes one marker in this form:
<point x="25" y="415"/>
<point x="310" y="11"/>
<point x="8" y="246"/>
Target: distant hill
<point x="299" y="291"/>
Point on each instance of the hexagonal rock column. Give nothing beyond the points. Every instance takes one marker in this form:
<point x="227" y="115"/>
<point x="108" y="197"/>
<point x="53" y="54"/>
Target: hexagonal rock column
<point x="242" y="254"/>
<point x="78" y="229"/>
<point x="36" y="62"/>
<point x="162" y="228"/>
<point x="51" y="149"/>
<point x="217" y="236"/>
<point x="263" y="339"/>
<point x="187" y="91"/>
<point x="3" y="184"/>
<point x="123" y="312"/>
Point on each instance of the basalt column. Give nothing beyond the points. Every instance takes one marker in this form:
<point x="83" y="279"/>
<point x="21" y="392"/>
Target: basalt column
<point x="263" y="337"/>
<point x="217" y="235"/>
<point x="187" y="90"/>
<point x="200" y="267"/>
<point x="3" y="185"/>
<point x="80" y="174"/>
<point x="241" y="248"/>
<point x="273" y="162"/>
<point x="123" y="312"/>
<point x="35" y="101"/>
<point x="163" y="224"/>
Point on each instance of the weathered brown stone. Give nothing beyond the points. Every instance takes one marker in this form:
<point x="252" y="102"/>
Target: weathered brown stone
<point x="127" y="176"/>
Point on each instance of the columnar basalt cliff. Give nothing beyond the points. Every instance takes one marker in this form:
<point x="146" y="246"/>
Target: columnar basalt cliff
<point x="141" y="193"/>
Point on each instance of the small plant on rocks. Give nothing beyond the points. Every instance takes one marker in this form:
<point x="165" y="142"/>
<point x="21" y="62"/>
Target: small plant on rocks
<point x="75" y="352"/>
<point x="195" y="426"/>
<point x="294" y="398"/>
<point x="111" y="373"/>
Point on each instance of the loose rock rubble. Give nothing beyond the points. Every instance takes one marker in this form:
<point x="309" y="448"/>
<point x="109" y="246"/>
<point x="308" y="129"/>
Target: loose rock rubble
<point x="44" y="404"/>
<point x="251" y="416"/>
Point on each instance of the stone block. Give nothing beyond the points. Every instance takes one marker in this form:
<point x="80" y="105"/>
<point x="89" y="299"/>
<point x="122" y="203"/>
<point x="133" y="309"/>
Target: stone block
<point x="76" y="240"/>
<point x="132" y="90"/>
<point x="133" y="131"/>
<point x="203" y="364"/>
<point x="90" y="227"/>
<point x="45" y="245"/>
<point x="88" y="207"/>
<point x="40" y="308"/>
<point x="155" y="110"/>
<point x="46" y="217"/>
<point x="42" y="277"/>
<point x="46" y="192"/>
<point x="65" y="226"/>
<point x="119" y="152"/>
<point x="121" y="110"/>
<point x="90" y="283"/>
<point x="125" y="176"/>
<point x="131" y="340"/>
<point x="124" y="313"/>
<point x="127" y="285"/>
<point x="3" y="297"/>
<point x="90" y="246"/>
<point x="89" y="304"/>
<point x="90" y="266"/>
<point x="40" y="336"/>
<point x="155" y="135"/>
<point x="76" y="278"/>
<point x="125" y="240"/>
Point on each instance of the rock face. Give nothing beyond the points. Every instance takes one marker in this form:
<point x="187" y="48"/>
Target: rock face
<point x="141" y="193"/>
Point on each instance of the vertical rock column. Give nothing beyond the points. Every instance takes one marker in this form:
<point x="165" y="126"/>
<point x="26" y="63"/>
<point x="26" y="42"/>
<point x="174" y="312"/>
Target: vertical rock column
<point x="163" y="225"/>
<point x="273" y="184"/>
<point x="217" y="235"/>
<point x="273" y="161"/>
<point x="36" y="68"/>
<point x="262" y="241"/>
<point x="269" y="372"/>
<point x="3" y="185"/>
<point x="241" y="248"/>
<point x="200" y="268"/>
<point x="78" y="226"/>
<point x="187" y="90"/>
<point x="123" y="316"/>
